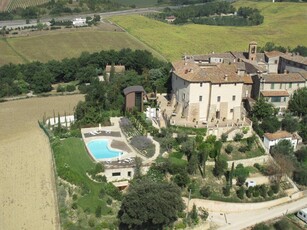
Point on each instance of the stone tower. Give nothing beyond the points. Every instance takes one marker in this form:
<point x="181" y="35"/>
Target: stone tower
<point x="252" y="51"/>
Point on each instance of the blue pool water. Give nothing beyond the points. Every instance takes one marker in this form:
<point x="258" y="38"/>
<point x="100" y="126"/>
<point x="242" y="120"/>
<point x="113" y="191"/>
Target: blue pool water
<point x="100" y="150"/>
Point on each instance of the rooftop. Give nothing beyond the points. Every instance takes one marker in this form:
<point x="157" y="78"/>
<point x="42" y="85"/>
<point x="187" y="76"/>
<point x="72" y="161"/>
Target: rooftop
<point x="295" y="57"/>
<point x="273" y="53"/>
<point x="117" y="68"/>
<point x="281" y="93"/>
<point x="135" y="88"/>
<point x="285" y="77"/>
<point x="220" y="73"/>
<point x="277" y="135"/>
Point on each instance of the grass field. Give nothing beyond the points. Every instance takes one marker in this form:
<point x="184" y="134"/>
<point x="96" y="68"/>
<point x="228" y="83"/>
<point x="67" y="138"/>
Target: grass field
<point x="44" y="46"/>
<point x="284" y="24"/>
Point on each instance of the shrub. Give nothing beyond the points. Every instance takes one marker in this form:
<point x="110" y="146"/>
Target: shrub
<point x="226" y="190"/>
<point x="112" y="191"/>
<point x="180" y="225"/>
<point x="98" y="211"/>
<point x="263" y="190"/>
<point x="70" y="88"/>
<point x="300" y="176"/>
<point x="229" y="149"/>
<point x="275" y="188"/>
<point x="205" y="191"/>
<point x="109" y="201"/>
<point x="74" y="196"/>
<point x="243" y="149"/>
<point x="240" y="193"/>
<point x="193" y="186"/>
<point x="270" y="193"/>
<point x="249" y="192"/>
<point x="91" y="222"/>
<point x="74" y="205"/>
<point x="256" y="191"/>
<point x="142" y="143"/>
<point x="261" y="226"/>
<point x="102" y="193"/>
<point x="60" y="89"/>
<point x="224" y="137"/>
<point x="181" y="179"/>
<point x="282" y="225"/>
<point x="238" y="137"/>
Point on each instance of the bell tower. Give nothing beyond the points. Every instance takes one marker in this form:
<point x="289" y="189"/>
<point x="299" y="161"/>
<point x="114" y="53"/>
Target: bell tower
<point x="252" y="51"/>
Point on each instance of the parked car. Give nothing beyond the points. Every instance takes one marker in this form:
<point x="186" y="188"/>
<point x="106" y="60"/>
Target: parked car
<point x="302" y="214"/>
<point x="251" y="183"/>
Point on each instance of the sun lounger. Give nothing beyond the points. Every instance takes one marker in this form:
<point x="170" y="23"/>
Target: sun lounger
<point x="92" y="133"/>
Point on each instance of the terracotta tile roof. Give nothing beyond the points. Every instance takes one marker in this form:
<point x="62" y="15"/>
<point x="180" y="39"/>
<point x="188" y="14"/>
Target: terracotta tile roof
<point x="304" y="74"/>
<point x="273" y="53"/>
<point x="206" y="57"/>
<point x="247" y="79"/>
<point x="285" y="77"/>
<point x="117" y="68"/>
<point x="295" y="58"/>
<point x="220" y="73"/>
<point x="282" y="93"/>
<point x="277" y="135"/>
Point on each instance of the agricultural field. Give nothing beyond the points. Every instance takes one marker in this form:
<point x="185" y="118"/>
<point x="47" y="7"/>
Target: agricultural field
<point x="284" y="24"/>
<point x="13" y="4"/>
<point x="137" y="3"/>
<point x="27" y="193"/>
<point x="47" y="45"/>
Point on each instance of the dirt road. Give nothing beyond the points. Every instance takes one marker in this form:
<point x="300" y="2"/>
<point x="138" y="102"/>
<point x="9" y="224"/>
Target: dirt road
<point x="27" y="195"/>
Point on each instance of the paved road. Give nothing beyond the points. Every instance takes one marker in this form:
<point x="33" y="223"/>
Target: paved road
<point x="241" y="220"/>
<point x="103" y="15"/>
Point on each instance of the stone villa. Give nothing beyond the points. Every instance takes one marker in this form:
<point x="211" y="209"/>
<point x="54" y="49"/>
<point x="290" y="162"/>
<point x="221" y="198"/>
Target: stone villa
<point x="212" y="87"/>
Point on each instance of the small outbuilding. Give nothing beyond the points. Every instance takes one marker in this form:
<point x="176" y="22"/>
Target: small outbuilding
<point x="271" y="139"/>
<point x="134" y="96"/>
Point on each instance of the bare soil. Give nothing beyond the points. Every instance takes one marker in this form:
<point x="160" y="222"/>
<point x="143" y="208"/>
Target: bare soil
<point x="27" y="192"/>
<point x="3" y="4"/>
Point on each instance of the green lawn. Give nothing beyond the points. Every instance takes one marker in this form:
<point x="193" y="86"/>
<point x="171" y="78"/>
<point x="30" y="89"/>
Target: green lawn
<point x="284" y="24"/>
<point x="72" y="162"/>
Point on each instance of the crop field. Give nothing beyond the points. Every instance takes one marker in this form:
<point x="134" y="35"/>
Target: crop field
<point x="27" y="183"/>
<point x="13" y="4"/>
<point x="284" y="24"/>
<point x="137" y="3"/>
<point x="65" y="44"/>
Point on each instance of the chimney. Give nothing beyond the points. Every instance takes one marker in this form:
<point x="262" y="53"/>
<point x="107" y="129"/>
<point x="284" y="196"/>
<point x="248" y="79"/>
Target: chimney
<point x="186" y="71"/>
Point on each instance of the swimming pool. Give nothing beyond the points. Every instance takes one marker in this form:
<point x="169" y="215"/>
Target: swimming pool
<point x="100" y="150"/>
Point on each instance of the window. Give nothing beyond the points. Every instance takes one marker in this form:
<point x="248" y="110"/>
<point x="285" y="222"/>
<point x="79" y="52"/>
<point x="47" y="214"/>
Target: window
<point x="116" y="174"/>
<point x="184" y="82"/>
<point x="231" y="110"/>
<point x="129" y="174"/>
<point x="290" y="85"/>
<point x="280" y="86"/>
<point x="285" y="99"/>
<point x="200" y="98"/>
<point x="275" y="61"/>
<point x="201" y="84"/>
<point x="235" y="84"/>
<point x="234" y="97"/>
<point x="220" y="85"/>
<point x="218" y="98"/>
<point x="272" y="85"/>
<point x="275" y="99"/>
<point x="183" y="96"/>
<point x="298" y="85"/>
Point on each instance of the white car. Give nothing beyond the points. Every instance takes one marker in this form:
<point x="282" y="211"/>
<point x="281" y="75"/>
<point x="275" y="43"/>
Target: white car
<point x="250" y="183"/>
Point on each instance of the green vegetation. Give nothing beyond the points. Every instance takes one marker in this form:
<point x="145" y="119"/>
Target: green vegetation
<point x="72" y="164"/>
<point x="280" y="26"/>
<point x="150" y="205"/>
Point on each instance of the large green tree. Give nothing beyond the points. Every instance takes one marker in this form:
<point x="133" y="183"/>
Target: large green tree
<point x="298" y="102"/>
<point x="150" y="205"/>
<point x="262" y="109"/>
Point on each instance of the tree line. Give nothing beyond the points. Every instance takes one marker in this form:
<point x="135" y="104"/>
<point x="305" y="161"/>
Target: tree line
<point x="210" y="12"/>
<point x="16" y="79"/>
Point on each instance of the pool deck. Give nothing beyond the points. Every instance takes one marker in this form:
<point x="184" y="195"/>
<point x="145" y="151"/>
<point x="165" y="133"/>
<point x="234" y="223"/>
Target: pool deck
<point x="117" y="141"/>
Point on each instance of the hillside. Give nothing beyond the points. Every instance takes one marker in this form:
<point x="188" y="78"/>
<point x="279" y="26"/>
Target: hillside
<point x="284" y="24"/>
